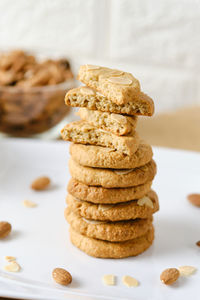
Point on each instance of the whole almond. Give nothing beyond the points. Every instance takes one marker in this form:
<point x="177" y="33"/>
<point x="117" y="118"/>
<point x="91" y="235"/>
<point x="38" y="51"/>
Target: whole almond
<point x="61" y="276"/>
<point x="5" y="229"/>
<point x="169" y="276"/>
<point x="194" y="199"/>
<point x="40" y="183"/>
<point x="198" y="243"/>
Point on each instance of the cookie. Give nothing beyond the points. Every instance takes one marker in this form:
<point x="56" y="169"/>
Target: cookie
<point x="102" y="157"/>
<point x="84" y="133"/>
<point x="102" y="195"/>
<point x="112" y="178"/>
<point x="115" y="123"/>
<point x="109" y="231"/>
<point x="113" y="212"/>
<point x="86" y="97"/>
<point x="105" y="249"/>
<point x="118" y="86"/>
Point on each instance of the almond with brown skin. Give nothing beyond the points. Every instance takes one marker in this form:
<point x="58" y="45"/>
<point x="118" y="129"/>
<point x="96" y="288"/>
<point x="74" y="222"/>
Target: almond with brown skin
<point x="61" y="276"/>
<point x="194" y="199"/>
<point x="169" y="276"/>
<point x="40" y="183"/>
<point x="198" y="243"/>
<point x="5" y="229"/>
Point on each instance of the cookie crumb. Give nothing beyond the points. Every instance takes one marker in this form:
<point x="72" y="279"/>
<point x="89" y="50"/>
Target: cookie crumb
<point x="129" y="281"/>
<point x="187" y="270"/>
<point x="109" y="279"/>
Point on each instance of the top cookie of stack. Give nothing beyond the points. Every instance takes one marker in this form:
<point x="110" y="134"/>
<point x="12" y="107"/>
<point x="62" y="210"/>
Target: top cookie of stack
<point x="110" y="90"/>
<point x="109" y="105"/>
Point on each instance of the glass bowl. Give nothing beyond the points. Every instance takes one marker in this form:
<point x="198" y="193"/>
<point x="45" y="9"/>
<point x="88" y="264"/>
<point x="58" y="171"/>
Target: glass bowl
<point x="25" y="111"/>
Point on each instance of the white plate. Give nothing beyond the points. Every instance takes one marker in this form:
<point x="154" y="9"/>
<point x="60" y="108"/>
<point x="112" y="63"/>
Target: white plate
<point x="40" y="235"/>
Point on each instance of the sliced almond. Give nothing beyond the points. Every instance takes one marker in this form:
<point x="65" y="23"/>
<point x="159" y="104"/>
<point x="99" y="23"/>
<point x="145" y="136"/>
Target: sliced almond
<point x="13" y="266"/>
<point x="78" y="199"/>
<point x="93" y="67"/>
<point x="145" y="201"/>
<point x="119" y="118"/>
<point x="169" y="276"/>
<point x="87" y="91"/>
<point x="129" y="281"/>
<point x="109" y="279"/>
<point x="187" y="270"/>
<point x="105" y="207"/>
<point x="10" y="258"/>
<point x="116" y="73"/>
<point x="104" y="131"/>
<point x="120" y="80"/>
<point x="28" y="203"/>
<point x="108" y="149"/>
<point x="92" y="221"/>
<point x="123" y="171"/>
<point x="99" y="94"/>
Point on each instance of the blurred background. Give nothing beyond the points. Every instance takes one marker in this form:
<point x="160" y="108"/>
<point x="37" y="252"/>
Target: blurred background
<point x="157" y="41"/>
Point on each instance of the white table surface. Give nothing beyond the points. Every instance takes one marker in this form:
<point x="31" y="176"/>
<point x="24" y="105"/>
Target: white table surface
<point x="40" y="239"/>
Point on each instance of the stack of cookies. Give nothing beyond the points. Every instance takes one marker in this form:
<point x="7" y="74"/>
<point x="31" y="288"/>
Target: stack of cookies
<point x="110" y="201"/>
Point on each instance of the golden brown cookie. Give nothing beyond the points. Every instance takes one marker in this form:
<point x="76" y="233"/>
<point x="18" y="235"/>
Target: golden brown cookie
<point x="105" y="249"/>
<point x="84" y="133"/>
<point x="109" y="231"/>
<point x="112" y="178"/>
<point x="115" y="123"/>
<point x="118" y="86"/>
<point x="102" y="157"/>
<point x="89" y="98"/>
<point x="107" y="196"/>
<point x="114" y="212"/>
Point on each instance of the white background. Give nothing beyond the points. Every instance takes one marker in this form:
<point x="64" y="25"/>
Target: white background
<point x="157" y="40"/>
